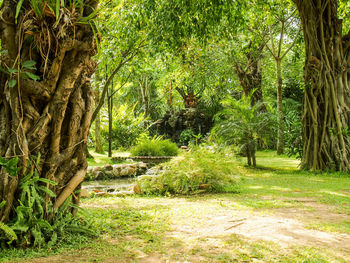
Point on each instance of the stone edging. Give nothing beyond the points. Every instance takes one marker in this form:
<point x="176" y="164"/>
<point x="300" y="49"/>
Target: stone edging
<point x="113" y="171"/>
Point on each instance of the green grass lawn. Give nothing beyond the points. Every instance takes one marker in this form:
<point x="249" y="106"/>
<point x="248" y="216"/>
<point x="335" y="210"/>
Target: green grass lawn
<point x="191" y="228"/>
<point x="101" y="159"/>
<point x="280" y="178"/>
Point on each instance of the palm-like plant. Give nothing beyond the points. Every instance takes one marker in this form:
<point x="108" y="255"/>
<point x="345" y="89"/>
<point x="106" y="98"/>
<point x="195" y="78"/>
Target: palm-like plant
<point x="242" y="124"/>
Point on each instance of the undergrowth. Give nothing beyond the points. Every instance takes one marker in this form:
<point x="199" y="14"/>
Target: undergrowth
<point x="34" y="221"/>
<point x="200" y="170"/>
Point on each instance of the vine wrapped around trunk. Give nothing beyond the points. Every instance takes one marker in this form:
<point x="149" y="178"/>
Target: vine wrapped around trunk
<point x="326" y="101"/>
<point x="45" y="95"/>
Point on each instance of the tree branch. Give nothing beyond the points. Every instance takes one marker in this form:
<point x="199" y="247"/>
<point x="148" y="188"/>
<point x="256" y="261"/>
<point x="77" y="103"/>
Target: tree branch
<point x="35" y="89"/>
<point x="110" y="78"/>
<point x="293" y="43"/>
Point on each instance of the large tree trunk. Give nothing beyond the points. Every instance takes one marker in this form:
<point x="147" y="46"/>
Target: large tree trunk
<point x="50" y="116"/>
<point x="326" y="102"/>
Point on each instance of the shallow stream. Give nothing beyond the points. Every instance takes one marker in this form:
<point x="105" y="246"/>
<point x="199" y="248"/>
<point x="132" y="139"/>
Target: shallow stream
<point x="115" y="185"/>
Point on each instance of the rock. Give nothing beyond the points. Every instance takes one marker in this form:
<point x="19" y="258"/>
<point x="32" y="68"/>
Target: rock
<point x="96" y="169"/>
<point x="84" y="193"/>
<point x="142" y="165"/>
<point x="100" y="176"/>
<point x="100" y="192"/>
<point x="108" y="167"/>
<point x="153" y="171"/>
<point x="116" y="171"/>
<point x="109" y="174"/>
<point x="137" y="189"/>
<point x="127" y="171"/>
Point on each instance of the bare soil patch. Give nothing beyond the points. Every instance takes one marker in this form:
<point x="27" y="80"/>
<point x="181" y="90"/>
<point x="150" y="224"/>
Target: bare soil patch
<point x="284" y="226"/>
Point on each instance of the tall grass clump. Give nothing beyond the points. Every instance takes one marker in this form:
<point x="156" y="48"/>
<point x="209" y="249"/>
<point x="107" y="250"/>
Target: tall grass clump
<point x="199" y="170"/>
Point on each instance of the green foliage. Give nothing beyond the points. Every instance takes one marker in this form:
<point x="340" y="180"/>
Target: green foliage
<point x="127" y="127"/>
<point x="10" y="166"/>
<point x="292" y="122"/>
<point x="240" y="123"/>
<point x="199" y="169"/>
<point x="36" y="223"/>
<point x="155" y="147"/>
<point x="189" y="137"/>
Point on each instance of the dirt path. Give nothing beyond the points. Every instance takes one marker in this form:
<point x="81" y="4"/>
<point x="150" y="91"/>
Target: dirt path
<point x="209" y="221"/>
<point x="254" y="226"/>
<point x="286" y="226"/>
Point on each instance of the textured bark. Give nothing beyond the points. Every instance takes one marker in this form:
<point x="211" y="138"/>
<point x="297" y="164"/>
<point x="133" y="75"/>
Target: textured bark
<point x="326" y="101"/>
<point x="50" y="116"/>
<point x="110" y="119"/>
<point x="144" y="88"/>
<point x="250" y="74"/>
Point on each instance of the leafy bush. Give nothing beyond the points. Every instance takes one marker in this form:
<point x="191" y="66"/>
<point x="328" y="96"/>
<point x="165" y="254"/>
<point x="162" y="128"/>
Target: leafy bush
<point x="155" y="147"/>
<point x="188" y="136"/>
<point x="199" y="169"/>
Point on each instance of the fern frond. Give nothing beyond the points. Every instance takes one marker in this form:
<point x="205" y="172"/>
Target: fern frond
<point x="10" y="234"/>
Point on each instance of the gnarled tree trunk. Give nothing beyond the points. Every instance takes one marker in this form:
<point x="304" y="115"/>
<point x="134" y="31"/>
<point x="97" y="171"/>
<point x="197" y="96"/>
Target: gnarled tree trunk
<point x="250" y="80"/>
<point x="326" y="101"/>
<point x="50" y="116"/>
<point x="250" y="74"/>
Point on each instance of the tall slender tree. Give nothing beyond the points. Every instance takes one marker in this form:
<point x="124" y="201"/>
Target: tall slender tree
<point x="280" y="37"/>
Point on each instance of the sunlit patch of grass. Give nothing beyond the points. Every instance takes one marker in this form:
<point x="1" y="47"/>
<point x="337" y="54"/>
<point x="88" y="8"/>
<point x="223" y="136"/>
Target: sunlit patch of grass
<point x="339" y="227"/>
<point x="288" y="181"/>
<point x="256" y="203"/>
<point x="102" y="159"/>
